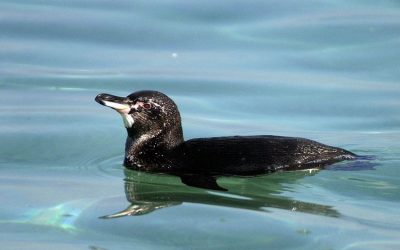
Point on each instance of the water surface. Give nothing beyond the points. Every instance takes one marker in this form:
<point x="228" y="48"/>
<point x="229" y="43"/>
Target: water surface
<point x="325" y="70"/>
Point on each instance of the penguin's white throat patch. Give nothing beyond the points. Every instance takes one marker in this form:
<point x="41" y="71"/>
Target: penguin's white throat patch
<point x="123" y="109"/>
<point x="128" y="120"/>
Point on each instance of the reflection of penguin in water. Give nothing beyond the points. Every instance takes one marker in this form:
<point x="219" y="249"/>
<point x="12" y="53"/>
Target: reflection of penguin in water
<point x="150" y="192"/>
<point x="155" y="143"/>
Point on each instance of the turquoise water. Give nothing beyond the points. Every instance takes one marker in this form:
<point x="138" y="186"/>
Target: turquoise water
<point x="325" y="70"/>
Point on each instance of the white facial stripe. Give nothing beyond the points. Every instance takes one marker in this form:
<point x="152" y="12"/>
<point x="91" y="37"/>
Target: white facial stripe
<point x="122" y="108"/>
<point x="128" y="120"/>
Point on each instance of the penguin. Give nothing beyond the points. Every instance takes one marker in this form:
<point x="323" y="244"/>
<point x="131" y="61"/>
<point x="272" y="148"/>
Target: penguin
<point x="155" y="143"/>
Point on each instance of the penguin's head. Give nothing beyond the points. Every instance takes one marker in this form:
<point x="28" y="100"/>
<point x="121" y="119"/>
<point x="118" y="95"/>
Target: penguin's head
<point x="145" y="112"/>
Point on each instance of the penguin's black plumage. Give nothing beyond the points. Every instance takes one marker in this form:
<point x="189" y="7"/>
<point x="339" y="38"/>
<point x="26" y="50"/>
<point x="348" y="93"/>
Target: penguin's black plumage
<point x="155" y="143"/>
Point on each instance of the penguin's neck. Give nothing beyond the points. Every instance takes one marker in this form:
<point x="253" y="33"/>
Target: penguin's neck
<point x="145" y="150"/>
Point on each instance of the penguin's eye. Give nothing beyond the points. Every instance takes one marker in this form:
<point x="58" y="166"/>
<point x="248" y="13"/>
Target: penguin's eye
<point x="147" y="106"/>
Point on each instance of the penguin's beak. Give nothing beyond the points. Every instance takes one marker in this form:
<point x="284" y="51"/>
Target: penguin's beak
<point x="120" y="104"/>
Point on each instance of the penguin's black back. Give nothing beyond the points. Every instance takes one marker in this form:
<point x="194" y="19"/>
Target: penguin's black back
<point x="256" y="154"/>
